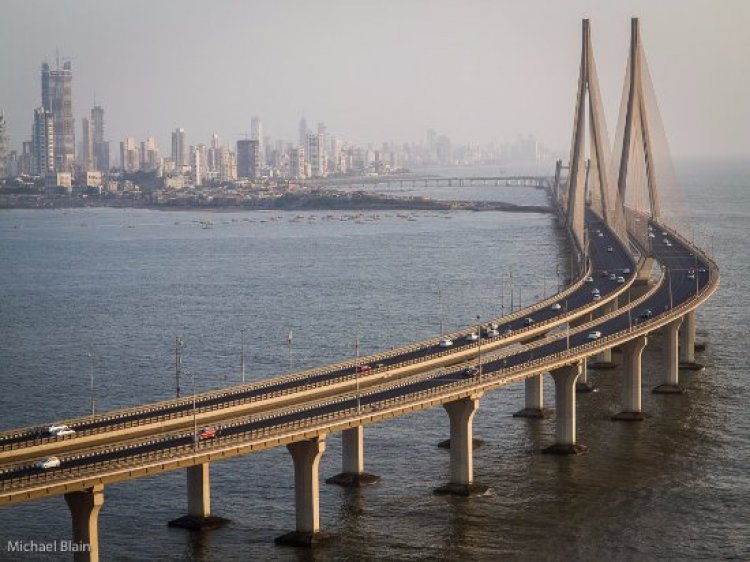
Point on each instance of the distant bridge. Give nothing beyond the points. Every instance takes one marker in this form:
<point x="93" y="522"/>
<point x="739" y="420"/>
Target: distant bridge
<point x="611" y="207"/>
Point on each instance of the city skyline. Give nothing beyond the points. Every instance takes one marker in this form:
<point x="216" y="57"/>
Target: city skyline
<point x="376" y="77"/>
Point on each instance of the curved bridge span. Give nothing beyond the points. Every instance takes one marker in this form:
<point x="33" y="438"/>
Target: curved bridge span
<point x="635" y="275"/>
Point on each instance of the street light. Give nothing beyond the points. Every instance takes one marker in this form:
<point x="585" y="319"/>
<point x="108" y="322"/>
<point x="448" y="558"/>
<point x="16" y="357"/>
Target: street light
<point x="440" y="299"/>
<point x="178" y="345"/>
<point x="289" y="343"/>
<point x="479" y="348"/>
<point x="357" y="368"/>
<point x="242" y="354"/>
<point x="195" y="417"/>
<point x="93" y="400"/>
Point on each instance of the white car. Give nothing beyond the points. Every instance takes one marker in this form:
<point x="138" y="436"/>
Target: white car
<point x="59" y="430"/>
<point x="446" y="342"/>
<point x="46" y="464"/>
<point x="589" y="279"/>
<point x="621" y="280"/>
<point x="626" y="271"/>
<point x="600" y="235"/>
<point x="556" y="306"/>
<point x="492" y="333"/>
<point x="595" y="335"/>
<point x="612" y="277"/>
<point x="610" y="249"/>
<point x="597" y="297"/>
<point x="472" y="336"/>
<point x="594" y="291"/>
<point x="651" y="235"/>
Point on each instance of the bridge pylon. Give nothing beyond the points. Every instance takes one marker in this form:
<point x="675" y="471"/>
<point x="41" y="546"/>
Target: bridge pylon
<point x="637" y="138"/>
<point x="595" y="181"/>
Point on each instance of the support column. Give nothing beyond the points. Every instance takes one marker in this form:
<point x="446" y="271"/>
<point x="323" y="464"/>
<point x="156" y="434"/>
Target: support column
<point x="583" y="385"/>
<point x="199" y="516"/>
<point x="461" y="414"/>
<point x="603" y="359"/>
<point x="353" y="473"/>
<point x="565" y="411"/>
<point x="534" y="406"/>
<point x="306" y="457"/>
<point x="672" y="376"/>
<point x="84" y="511"/>
<point x="631" y="389"/>
<point x="687" y="343"/>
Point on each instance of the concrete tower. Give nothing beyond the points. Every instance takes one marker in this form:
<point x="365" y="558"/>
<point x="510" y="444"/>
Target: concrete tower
<point x="57" y="98"/>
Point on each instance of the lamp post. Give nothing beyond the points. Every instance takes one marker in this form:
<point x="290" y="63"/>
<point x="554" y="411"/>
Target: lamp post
<point x="195" y="416"/>
<point x="93" y="399"/>
<point x="289" y="343"/>
<point x="479" y="348"/>
<point x="357" y="368"/>
<point x="178" y="345"/>
<point x="440" y="299"/>
<point x="242" y="354"/>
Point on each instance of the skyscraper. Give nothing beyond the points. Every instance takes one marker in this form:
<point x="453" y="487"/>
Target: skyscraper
<point x="256" y="133"/>
<point x="130" y="157"/>
<point x="302" y="132"/>
<point x="87" y="152"/>
<point x="100" y="147"/>
<point x="42" y="143"/>
<point x="3" y="147"/>
<point x="316" y="155"/>
<point x="247" y="159"/>
<point x="179" y="148"/>
<point x="57" y="98"/>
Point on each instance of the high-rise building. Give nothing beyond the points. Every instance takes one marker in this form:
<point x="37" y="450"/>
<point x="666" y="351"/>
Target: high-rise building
<point x="303" y="132"/>
<point x="57" y="98"/>
<point x="179" y="148"/>
<point x="297" y="162"/>
<point x="3" y="147"/>
<point x="130" y="157"/>
<point x="247" y="159"/>
<point x="198" y="157"/>
<point x="256" y="133"/>
<point x="26" y="161"/>
<point x="87" y="146"/>
<point x="99" y="147"/>
<point x="149" y="155"/>
<point x="316" y="155"/>
<point x="43" y="143"/>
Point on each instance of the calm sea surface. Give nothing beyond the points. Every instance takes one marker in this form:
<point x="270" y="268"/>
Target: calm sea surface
<point x="121" y="284"/>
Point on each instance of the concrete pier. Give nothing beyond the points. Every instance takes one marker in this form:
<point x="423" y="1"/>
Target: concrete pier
<point x="534" y="405"/>
<point x="84" y="511"/>
<point x="603" y="360"/>
<point x="631" y="388"/>
<point x="461" y="415"/>
<point x="583" y="385"/>
<point x="199" y="516"/>
<point x="306" y="457"/>
<point x="671" y="360"/>
<point x="687" y="343"/>
<point x="353" y="472"/>
<point x="565" y="411"/>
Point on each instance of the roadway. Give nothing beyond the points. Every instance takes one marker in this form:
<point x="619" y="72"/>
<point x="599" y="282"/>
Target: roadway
<point x="685" y="275"/>
<point x="512" y="329"/>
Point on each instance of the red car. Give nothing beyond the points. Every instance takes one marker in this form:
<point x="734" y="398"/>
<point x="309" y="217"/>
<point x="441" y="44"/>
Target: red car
<point x="208" y="433"/>
<point x="362" y="369"/>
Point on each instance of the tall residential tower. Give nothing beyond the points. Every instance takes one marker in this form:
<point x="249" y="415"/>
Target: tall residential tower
<point x="57" y="98"/>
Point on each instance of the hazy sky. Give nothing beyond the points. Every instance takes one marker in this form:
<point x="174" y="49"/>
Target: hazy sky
<point x="476" y="70"/>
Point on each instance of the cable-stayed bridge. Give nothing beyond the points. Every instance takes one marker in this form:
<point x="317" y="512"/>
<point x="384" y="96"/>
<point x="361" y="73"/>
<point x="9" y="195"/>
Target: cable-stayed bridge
<point x="636" y="273"/>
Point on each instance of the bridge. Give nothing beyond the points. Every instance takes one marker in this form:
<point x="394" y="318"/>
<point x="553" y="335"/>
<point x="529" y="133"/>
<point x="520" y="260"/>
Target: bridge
<point x="635" y="274"/>
<point x="539" y="182"/>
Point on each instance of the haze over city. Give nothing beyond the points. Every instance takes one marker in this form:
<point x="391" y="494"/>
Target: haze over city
<point x="476" y="71"/>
